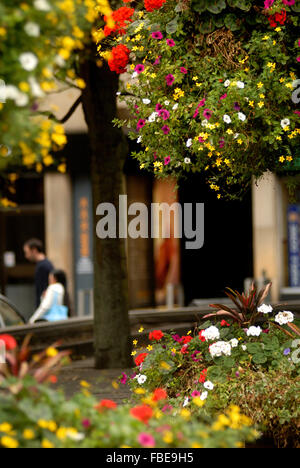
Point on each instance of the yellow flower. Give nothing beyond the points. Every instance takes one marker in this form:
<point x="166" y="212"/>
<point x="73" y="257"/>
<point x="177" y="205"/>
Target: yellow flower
<point x="59" y="139"/>
<point x="28" y="434"/>
<point x="261" y="104"/>
<point x="80" y="83"/>
<point x="5" y="427"/>
<point x="282" y="159"/>
<point x="46" y="444"/>
<point x="52" y="426"/>
<point x="85" y="384"/>
<point x="278" y="29"/>
<point x="165" y="365"/>
<point x="2" y="32"/>
<point x="260" y="85"/>
<point x="198" y="402"/>
<point x="149" y="347"/>
<point x="51" y="352"/>
<point x="289" y="158"/>
<point x="133" y="353"/>
<point x="135" y="342"/>
<point x="42" y="424"/>
<point x="185" y="414"/>
<point x="24" y="86"/>
<point x="196" y="445"/>
<point x="9" y="442"/>
<point x="140" y="391"/>
<point x="62" y="168"/>
<point x="168" y="437"/>
<point x="141" y="329"/>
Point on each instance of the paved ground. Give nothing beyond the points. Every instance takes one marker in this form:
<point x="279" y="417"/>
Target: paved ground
<point x="101" y="381"/>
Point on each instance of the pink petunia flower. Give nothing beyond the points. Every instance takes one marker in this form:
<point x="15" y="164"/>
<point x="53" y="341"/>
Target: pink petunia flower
<point x="139" y="68"/>
<point x="298" y="59"/>
<point x="207" y="114"/>
<point x="170" y="42"/>
<point x="170" y="79"/>
<point x="183" y="70"/>
<point x="123" y="378"/>
<point x="223" y="97"/>
<point x="195" y="393"/>
<point x="166" y="129"/>
<point x="167" y="160"/>
<point x="141" y="123"/>
<point x="157" y="35"/>
<point x="164" y="113"/>
<point x="158" y="107"/>
<point x="288" y="2"/>
<point x="268" y="4"/>
<point x="157" y="61"/>
<point x="146" y="440"/>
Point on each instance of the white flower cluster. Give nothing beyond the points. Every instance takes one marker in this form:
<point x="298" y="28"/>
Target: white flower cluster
<point x="141" y="379"/>
<point x="265" y="309"/>
<point x="211" y="333"/>
<point x="284" y="317"/>
<point x="254" y="331"/>
<point x="14" y="94"/>
<point x="220" y="348"/>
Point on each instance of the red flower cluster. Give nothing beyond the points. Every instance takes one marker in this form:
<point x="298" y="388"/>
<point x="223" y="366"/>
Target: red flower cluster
<point x="108" y="404"/>
<point x="121" y="17"/>
<point x="201" y="337"/>
<point x="119" y="59"/>
<point x="186" y="339"/>
<point x="159" y="394"/>
<point x="142" y="413"/>
<point x="152" y="5"/>
<point x="140" y="358"/>
<point x="156" y="335"/>
<point x="278" y="18"/>
<point x="203" y="376"/>
<point x="10" y="342"/>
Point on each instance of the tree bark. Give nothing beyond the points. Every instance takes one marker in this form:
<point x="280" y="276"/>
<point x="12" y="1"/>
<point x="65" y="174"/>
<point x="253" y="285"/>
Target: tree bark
<point x="109" y="151"/>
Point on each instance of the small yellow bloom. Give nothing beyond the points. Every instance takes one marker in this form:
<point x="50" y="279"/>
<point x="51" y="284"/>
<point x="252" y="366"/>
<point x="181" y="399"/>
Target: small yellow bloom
<point x="46" y="444"/>
<point x="85" y="384"/>
<point x="141" y="329"/>
<point x="51" y="352"/>
<point x="185" y="414"/>
<point x="28" y="434"/>
<point x="168" y="437"/>
<point x="9" y="442"/>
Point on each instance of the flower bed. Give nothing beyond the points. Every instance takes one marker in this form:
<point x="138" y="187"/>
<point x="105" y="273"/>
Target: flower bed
<point x="32" y="415"/>
<point x="250" y="359"/>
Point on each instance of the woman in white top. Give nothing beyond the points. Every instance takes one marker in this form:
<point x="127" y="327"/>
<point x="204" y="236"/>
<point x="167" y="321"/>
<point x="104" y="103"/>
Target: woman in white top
<point x="55" y="300"/>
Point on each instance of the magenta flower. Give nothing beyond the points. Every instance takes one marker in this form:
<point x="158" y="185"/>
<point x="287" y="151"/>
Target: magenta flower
<point x="157" y="35"/>
<point x="223" y="97"/>
<point x="222" y="143"/>
<point x="141" y="123"/>
<point x="166" y="129"/>
<point x="195" y="393"/>
<point x="288" y="2"/>
<point x="123" y="378"/>
<point x="183" y="70"/>
<point x="201" y="140"/>
<point x="268" y="4"/>
<point x="170" y="42"/>
<point x="176" y="338"/>
<point x="164" y="113"/>
<point x="298" y="59"/>
<point x="86" y="423"/>
<point x="157" y="61"/>
<point x="170" y="79"/>
<point x="167" y="160"/>
<point x="139" y="68"/>
<point x="158" y="107"/>
<point x="146" y="440"/>
<point x="236" y="106"/>
<point x="155" y="156"/>
<point x="297" y="112"/>
<point x="207" y="114"/>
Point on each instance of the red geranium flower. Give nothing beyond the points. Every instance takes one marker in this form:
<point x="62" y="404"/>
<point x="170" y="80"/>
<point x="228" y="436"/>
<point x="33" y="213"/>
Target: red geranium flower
<point x="156" y="335"/>
<point x="109" y="404"/>
<point x="10" y="342"/>
<point x="119" y="58"/>
<point x="186" y="339"/>
<point x="159" y="394"/>
<point x="121" y="17"/>
<point x="142" y="413"/>
<point x="201" y="337"/>
<point x="152" y="5"/>
<point x="203" y="376"/>
<point x="140" y="358"/>
<point x="224" y="324"/>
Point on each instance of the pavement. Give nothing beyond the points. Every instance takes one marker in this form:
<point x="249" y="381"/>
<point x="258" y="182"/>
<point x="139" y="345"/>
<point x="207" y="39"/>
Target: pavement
<point x="101" y="381"/>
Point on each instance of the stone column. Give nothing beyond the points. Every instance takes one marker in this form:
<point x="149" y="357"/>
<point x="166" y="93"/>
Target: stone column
<point x="59" y="224"/>
<point x="269" y="231"/>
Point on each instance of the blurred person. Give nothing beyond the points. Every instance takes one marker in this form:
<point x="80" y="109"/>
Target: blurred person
<point x="34" y="252"/>
<point x="55" y="305"/>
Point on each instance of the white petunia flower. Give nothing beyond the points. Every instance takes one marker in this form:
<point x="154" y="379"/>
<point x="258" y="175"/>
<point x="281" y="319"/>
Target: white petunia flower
<point x="208" y="385"/>
<point x="282" y="318"/>
<point x="254" y="331"/>
<point x="227" y="119"/>
<point x="28" y="61"/>
<point x="244" y="347"/>
<point x="139" y="140"/>
<point x="236" y="136"/>
<point x="175" y="106"/>
<point x="227" y="83"/>
<point x="240" y="84"/>
<point x="285" y="123"/>
<point x="141" y="379"/>
<point x="187" y="160"/>
<point x="189" y="143"/>
<point x="146" y="101"/>
<point x="35" y="88"/>
<point x="211" y="333"/>
<point x="32" y="29"/>
<point x="186" y="402"/>
<point x="41" y="5"/>
<point x="242" y="116"/>
<point x="265" y="309"/>
<point x="152" y="117"/>
<point x="167" y="103"/>
<point x="234" y="343"/>
<point x="22" y="100"/>
<point x="203" y="396"/>
<point x="134" y="75"/>
<point x="204" y="123"/>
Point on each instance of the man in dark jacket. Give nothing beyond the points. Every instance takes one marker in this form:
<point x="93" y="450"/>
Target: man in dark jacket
<point x="34" y="252"/>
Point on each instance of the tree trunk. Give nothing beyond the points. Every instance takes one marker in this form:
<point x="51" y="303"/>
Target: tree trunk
<point x="109" y="151"/>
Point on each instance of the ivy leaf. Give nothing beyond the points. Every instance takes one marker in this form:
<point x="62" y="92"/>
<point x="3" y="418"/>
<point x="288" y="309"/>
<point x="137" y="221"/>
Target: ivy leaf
<point x="217" y="6"/>
<point x="172" y="26"/>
